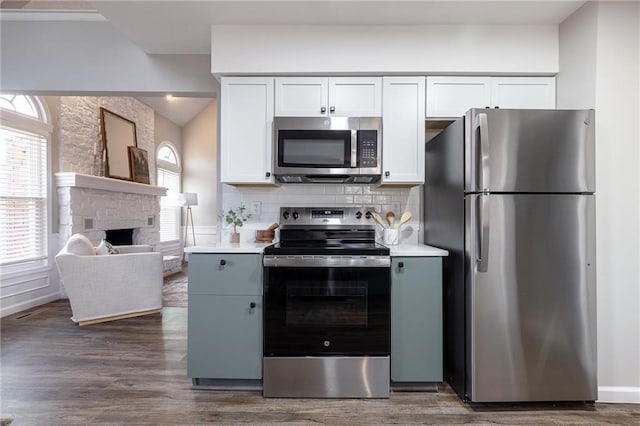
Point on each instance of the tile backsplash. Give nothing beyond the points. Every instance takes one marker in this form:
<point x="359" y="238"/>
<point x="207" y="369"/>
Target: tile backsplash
<point x="271" y="199"/>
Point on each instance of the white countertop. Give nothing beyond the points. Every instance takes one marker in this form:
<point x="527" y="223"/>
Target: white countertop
<point x="416" y="250"/>
<point x="228" y="248"/>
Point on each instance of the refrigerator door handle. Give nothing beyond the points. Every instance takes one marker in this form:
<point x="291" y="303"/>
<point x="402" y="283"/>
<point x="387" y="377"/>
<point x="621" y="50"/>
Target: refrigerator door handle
<point x="483" y="237"/>
<point x="484" y="151"/>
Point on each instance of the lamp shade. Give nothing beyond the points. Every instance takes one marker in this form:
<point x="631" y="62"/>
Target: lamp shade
<point x="188" y="199"/>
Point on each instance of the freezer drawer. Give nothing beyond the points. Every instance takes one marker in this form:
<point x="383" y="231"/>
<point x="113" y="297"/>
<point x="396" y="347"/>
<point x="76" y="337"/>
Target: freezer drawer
<point x="531" y="320"/>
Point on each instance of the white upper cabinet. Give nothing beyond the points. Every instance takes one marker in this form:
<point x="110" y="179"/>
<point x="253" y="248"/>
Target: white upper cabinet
<point x="355" y="96"/>
<point x="321" y="97"/>
<point x="403" y="111"/>
<point x="246" y="130"/>
<point x="523" y="92"/>
<point x="453" y="96"/>
<point x="302" y="96"/>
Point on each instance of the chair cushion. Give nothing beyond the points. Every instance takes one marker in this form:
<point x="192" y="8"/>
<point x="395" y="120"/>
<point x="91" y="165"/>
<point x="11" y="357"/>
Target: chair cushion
<point x="105" y="247"/>
<point x="80" y="245"/>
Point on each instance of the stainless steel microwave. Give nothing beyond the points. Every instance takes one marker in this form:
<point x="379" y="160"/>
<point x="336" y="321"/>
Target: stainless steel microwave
<point x="327" y="149"/>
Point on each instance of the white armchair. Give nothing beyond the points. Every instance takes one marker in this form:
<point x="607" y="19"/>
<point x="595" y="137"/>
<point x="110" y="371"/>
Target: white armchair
<point x="109" y="287"/>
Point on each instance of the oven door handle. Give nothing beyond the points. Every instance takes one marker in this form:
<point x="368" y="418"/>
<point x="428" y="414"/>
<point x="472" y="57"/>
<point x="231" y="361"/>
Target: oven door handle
<point x="270" y="261"/>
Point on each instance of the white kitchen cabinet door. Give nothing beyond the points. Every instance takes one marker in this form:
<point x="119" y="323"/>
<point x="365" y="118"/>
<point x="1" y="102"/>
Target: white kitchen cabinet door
<point x="321" y="96"/>
<point x="523" y="92"/>
<point x="246" y="130"/>
<point x="453" y="96"/>
<point x="302" y="96"/>
<point x="403" y="130"/>
<point x="355" y="96"/>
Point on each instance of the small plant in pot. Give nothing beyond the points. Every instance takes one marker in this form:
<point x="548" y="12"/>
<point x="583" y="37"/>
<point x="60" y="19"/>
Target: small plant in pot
<point x="236" y="218"/>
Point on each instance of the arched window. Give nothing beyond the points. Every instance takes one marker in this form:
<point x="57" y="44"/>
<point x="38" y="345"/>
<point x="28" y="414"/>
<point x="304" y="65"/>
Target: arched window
<point x="168" y="170"/>
<point x="24" y="140"/>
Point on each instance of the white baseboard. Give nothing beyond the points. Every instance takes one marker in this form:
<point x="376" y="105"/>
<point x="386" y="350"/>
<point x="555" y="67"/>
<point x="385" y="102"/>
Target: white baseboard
<point x="32" y="303"/>
<point x="619" y="394"/>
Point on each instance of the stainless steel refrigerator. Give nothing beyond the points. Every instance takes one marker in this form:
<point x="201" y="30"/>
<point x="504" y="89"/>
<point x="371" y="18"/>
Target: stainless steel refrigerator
<point x="510" y="194"/>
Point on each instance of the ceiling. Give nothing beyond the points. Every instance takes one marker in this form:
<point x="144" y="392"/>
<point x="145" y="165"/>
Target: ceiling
<point x="184" y="27"/>
<point x="178" y="110"/>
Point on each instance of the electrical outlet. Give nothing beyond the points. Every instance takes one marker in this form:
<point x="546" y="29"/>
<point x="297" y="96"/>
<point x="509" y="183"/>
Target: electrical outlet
<point x="256" y="208"/>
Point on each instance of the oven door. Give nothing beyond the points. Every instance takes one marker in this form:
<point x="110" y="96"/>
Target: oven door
<point x="326" y="310"/>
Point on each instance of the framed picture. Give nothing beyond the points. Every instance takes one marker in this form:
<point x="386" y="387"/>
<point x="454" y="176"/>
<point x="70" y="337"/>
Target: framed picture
<point x="117" y="134"/>
<point x="139" y="164"/>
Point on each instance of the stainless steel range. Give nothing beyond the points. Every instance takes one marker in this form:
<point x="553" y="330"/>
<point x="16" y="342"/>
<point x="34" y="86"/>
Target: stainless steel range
<point x="327" y="300"/>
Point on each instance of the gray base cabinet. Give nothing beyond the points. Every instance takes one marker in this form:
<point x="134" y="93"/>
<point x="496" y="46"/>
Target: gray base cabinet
<point x="225" y="317"/>
<point x="416" y="319"/>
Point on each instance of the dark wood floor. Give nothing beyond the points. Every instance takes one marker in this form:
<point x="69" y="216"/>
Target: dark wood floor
<point x="133" y="371"/>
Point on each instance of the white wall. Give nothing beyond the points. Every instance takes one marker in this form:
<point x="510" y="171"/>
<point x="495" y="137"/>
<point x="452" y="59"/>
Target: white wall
<point x="80" y="139"/>
<point x="606" y="75"/>
<point x="406" y="49"/>
<point x="167" y="131"/>
<point x="576" y="82"/>
<point x="93" y="58"/>
<point x="200" y="170"/>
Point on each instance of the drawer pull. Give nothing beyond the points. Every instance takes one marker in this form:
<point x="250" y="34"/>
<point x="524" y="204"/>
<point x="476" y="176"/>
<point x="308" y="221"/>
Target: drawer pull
<point x="252" y="305"/>
<point x="400" y="265"/>
<point x="223" y="262"/>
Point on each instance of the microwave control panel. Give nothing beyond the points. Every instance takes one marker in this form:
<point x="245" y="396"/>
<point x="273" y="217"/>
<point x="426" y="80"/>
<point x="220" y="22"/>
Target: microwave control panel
<point x="367" y="148"/>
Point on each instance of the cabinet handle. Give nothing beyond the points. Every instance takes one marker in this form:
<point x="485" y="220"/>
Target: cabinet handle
<point x="487" y="107"/>
<point x="323" y="109"/>
<point x="223" y="262"/>
<point x="400" y="265"/>
<point x="332" y="109"/>
<point x="496" y="107"/>
<point x="387" y="174"/>
<point x="252" y="305"/>
<point x="268" y="174"/>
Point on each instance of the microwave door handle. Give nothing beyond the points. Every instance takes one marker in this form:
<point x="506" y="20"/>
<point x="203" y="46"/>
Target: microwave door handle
<point x="354" y="149"/>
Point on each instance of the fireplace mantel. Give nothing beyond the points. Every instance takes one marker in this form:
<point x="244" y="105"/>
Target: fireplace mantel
<point x="78" y="180"/>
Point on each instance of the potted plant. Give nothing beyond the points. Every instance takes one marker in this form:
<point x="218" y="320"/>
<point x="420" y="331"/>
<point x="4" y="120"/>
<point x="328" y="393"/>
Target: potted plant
<point x="236" y="218"/>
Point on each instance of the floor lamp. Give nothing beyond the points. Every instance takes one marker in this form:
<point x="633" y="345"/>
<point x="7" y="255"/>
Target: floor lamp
<point x="188" y="199"/>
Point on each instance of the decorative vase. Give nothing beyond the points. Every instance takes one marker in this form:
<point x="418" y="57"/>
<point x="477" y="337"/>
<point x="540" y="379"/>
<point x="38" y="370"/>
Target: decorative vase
<point x="235" y="237"/>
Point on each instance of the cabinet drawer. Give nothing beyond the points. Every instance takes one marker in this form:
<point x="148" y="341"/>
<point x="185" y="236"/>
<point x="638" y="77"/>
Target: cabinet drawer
<point x="225" y="274"/>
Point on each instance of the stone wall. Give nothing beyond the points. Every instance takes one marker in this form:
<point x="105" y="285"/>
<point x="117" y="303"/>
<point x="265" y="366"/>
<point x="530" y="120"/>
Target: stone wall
<point x="80" y="139"/>
<point x="88" y="206"/>
<point x="91" y="211"/>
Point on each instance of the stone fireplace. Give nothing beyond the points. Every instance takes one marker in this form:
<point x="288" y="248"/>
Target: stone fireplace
<point x="90" y="205"/>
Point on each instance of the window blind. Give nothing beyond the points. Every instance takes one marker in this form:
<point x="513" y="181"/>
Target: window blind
<point x="169" y="212"/>
<point x="23" y="196"/>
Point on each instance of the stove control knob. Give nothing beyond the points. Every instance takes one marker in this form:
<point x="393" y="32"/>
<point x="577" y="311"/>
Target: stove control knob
<point x="358" y="215"/>
<point x="368" y="215"/>
<point x="296" y="215"/>
<point x="285" y="215"/>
